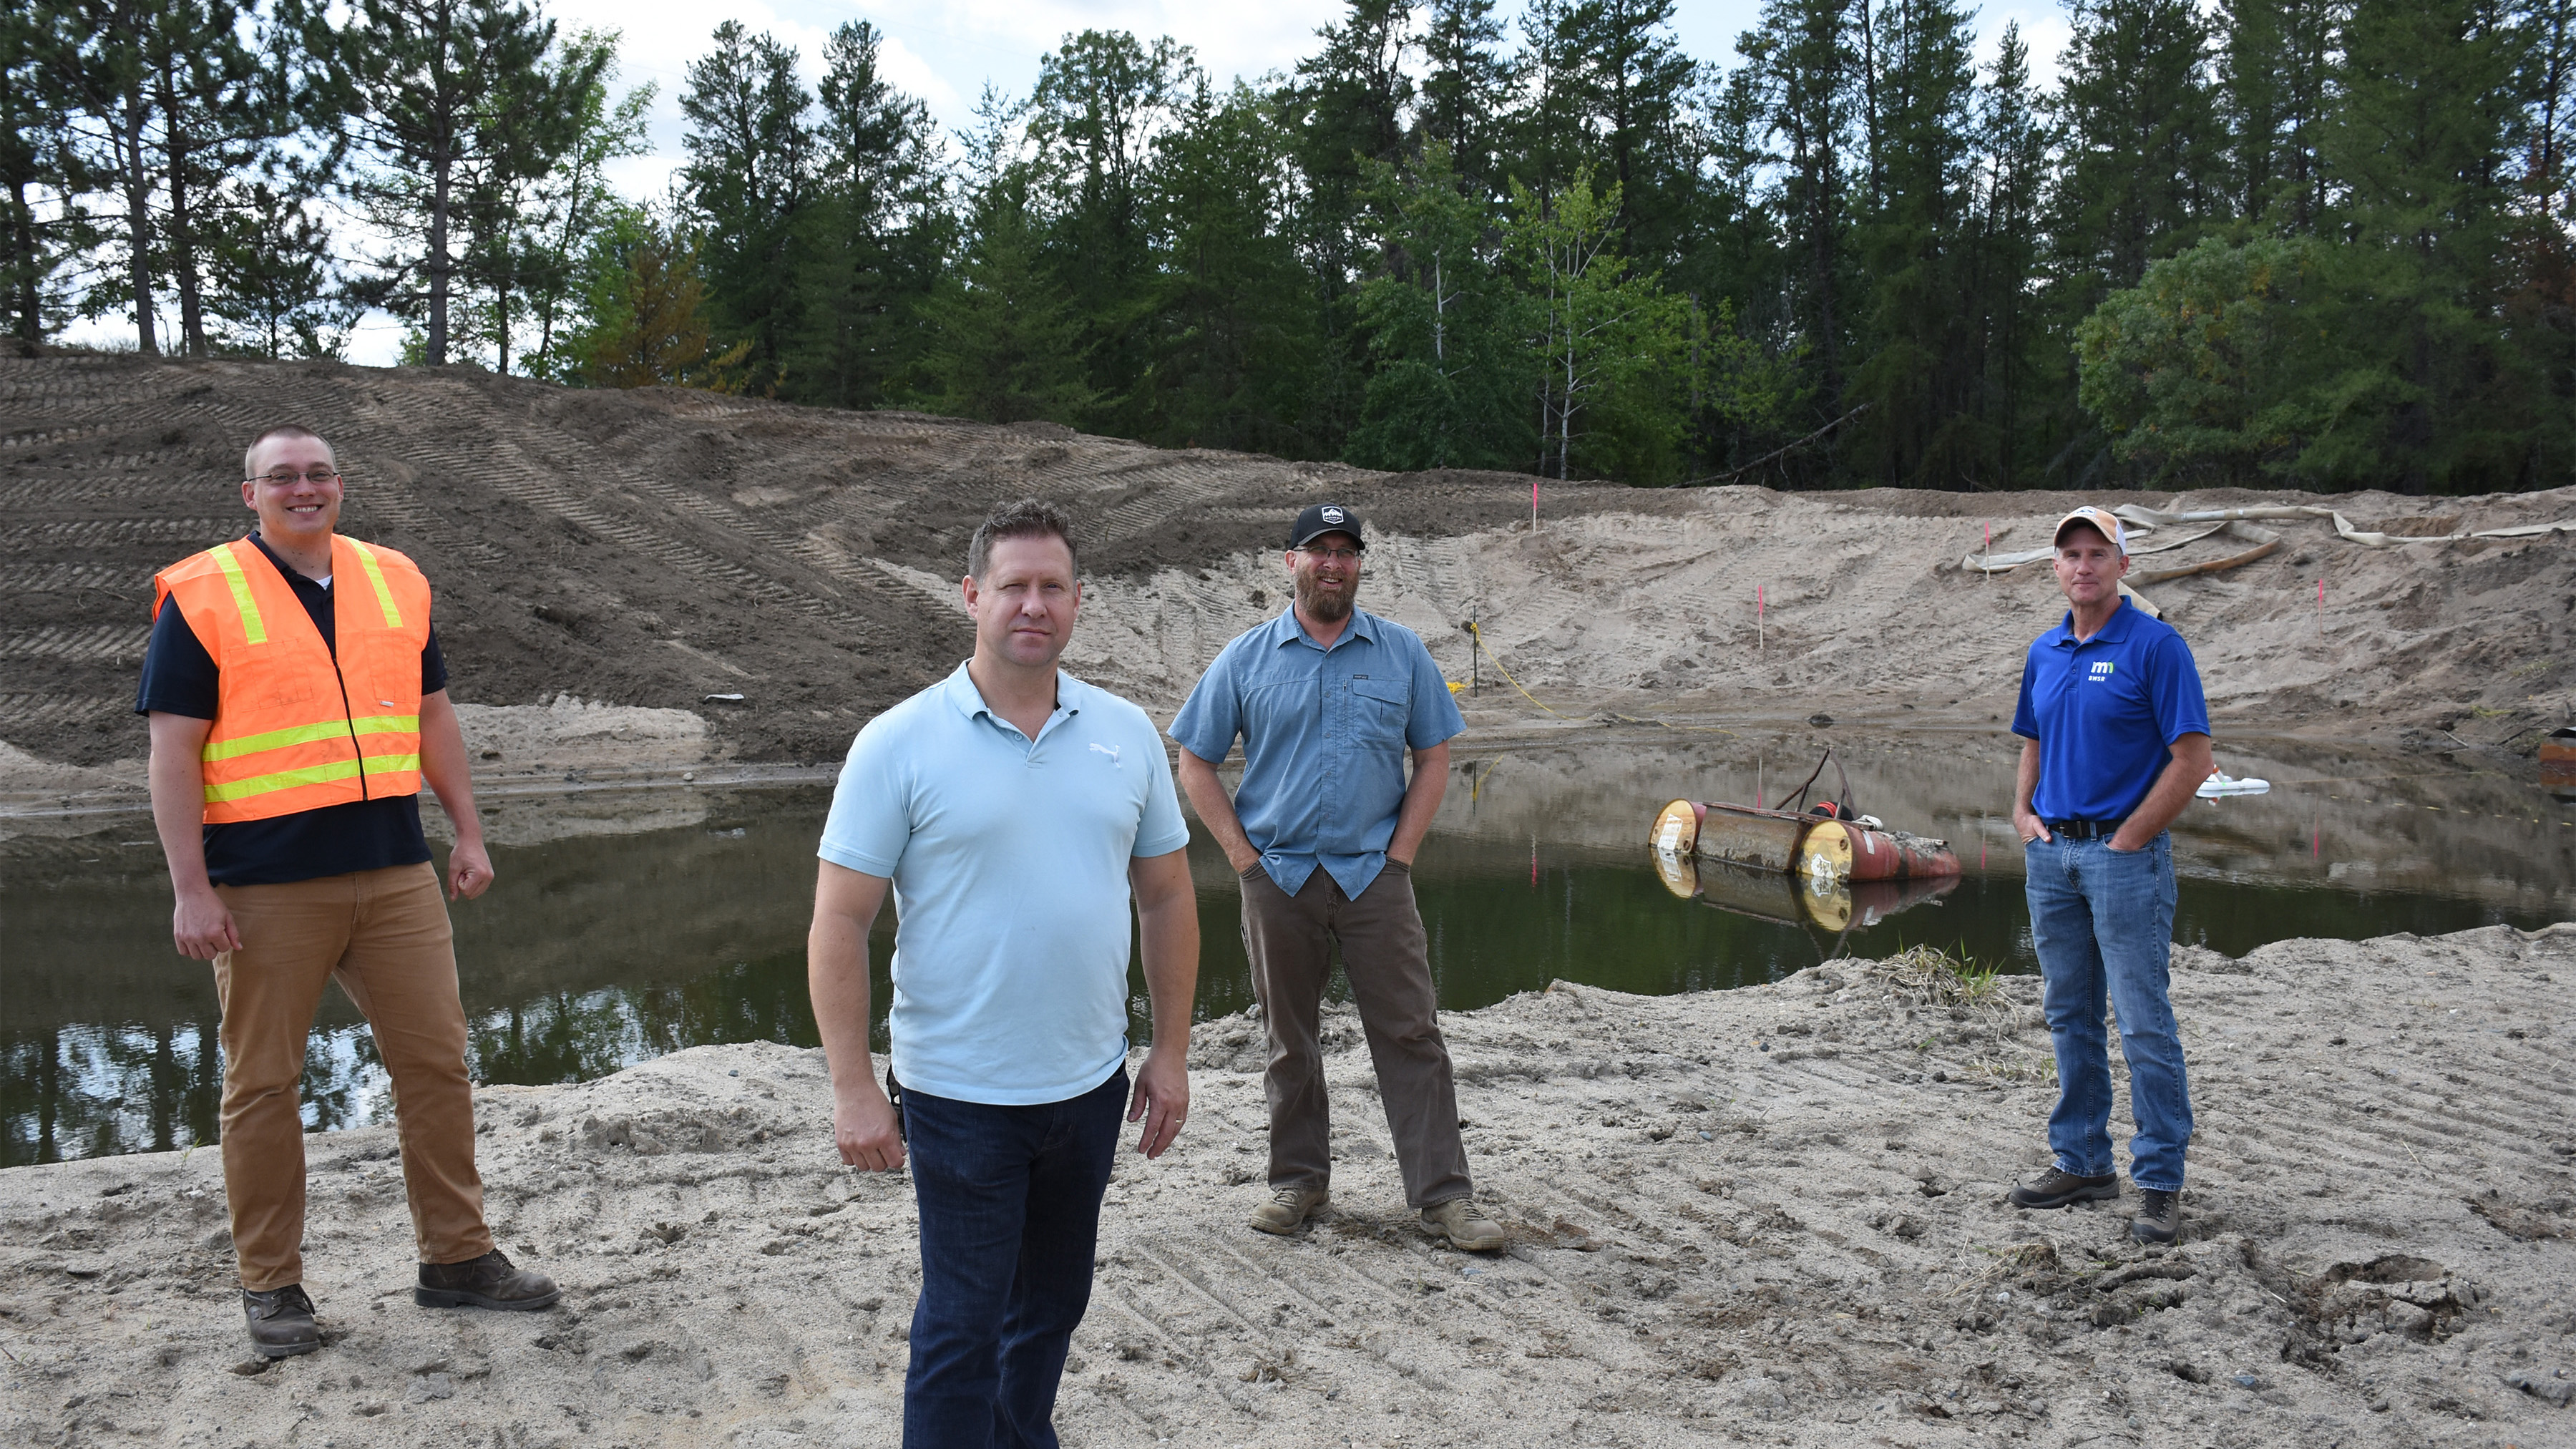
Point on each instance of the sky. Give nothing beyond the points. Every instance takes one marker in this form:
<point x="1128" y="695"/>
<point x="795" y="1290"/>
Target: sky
<point x="945" y="51"/>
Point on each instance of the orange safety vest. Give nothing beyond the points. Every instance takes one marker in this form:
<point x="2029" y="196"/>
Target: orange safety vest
<point x="297" y="728"/>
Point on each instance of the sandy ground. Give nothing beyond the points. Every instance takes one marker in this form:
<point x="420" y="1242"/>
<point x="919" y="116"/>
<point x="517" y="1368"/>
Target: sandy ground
<point x="1768" y="1216"/>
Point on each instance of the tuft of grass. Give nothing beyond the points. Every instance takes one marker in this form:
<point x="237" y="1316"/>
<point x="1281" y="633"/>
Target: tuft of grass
<point x="1927" y="975"/>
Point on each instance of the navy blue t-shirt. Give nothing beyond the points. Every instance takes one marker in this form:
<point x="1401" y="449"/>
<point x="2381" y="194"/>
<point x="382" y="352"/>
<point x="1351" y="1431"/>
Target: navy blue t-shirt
<point x="2106" y="712"/>
<point x="179" y="677"/>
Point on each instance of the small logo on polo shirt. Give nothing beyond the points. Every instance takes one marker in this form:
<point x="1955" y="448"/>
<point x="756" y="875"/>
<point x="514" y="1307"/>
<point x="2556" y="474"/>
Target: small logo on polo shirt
<point x="2102" y="669"/>
<point x="1110" y="750"/>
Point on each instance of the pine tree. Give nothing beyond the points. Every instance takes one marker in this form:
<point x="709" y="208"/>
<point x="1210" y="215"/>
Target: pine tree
<point x="648" y="310"/>
<point x="422" y="81"/>
<point x="1234" y="319"/>
<point x="1634" y="86"/>
<point x="1003" y="343"/>
<point x="536" y="132"/>
<point x="1802" y="58"/>
<point x="2423" y="144"/>
<point x="169" y="100"/>
<point x="1918" y="246"/>
<point x="749" y="177"/>
<point x="2274" y="65"/>
<point x="574" y="206"/>
<point x="2142" y="158"/>
<point x="37" y="161"/>
<point x="1100" y="100"/>
<point x="871" y="241"/>
<point x="275" y="286"/>
<point x="1466" y="82"/>
<point x="2012" y="175"/>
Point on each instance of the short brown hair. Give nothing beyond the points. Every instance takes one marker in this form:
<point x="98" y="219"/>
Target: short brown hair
<point x="284" y="430"/>
<point x="1020" y="518"/>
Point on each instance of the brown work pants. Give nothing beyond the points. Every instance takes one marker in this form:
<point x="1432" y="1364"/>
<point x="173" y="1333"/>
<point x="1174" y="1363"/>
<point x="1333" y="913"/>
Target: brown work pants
<point x="384" y="935"/>
<point x="1290" y="940"/>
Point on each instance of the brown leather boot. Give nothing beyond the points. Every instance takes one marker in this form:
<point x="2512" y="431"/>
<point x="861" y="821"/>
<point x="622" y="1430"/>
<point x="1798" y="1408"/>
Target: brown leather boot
<point x="281" y="1322"/>
<point x="486" y="1282"/>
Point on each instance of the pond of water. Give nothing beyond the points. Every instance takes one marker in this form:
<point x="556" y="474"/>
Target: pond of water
<point x="628" y="925"/>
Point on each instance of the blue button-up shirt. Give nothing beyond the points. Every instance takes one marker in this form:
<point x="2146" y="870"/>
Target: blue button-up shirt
<point x="2106" y="711"/>
<point x="1324" y="737"/>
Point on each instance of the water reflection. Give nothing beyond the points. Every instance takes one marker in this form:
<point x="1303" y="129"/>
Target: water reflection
<point x="625" y="929"/>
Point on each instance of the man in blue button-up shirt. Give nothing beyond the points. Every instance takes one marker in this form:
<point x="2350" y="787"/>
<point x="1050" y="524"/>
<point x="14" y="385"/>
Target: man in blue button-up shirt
<point x="1328" y="699"/>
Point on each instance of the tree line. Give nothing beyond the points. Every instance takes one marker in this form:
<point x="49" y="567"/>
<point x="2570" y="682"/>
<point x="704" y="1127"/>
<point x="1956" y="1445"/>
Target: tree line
<point x="2314" y="243"/>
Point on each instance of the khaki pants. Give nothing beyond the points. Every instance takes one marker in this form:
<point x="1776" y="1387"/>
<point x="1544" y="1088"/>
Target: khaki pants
<point x="1289" y="939"/>
<point x="384" y="935"/>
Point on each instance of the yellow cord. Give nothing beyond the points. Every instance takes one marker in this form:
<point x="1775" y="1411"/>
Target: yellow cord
<point x="1507" y="674"/>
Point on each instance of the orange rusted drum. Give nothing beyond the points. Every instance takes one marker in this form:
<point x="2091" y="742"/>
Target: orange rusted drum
<point x="1892" y="855"/>
<point x="2558" y="762"/>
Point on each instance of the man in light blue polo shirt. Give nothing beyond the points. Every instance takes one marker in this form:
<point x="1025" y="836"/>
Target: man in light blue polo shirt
<point x="1009" y="808"/>
<point x="2115" y="742"/>
<point x="1328" y="699"/>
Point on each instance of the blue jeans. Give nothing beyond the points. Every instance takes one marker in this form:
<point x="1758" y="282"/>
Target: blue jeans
<point x="1010" y="1215"/>
<point x="2102" y="922"/>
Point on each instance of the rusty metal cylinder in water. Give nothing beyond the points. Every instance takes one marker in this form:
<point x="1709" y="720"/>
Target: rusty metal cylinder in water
<point x="1756" y="839"/>
<point x="1881" y="855"/>
<point x="2557" y="763"/>
<point x="1793" y="844"/>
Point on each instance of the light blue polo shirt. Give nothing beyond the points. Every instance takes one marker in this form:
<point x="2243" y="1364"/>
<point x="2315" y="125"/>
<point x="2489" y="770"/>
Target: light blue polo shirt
<point x="1324" y="735"/>
<point x="1009" y="860"/>
<point x="2106" y="711"/>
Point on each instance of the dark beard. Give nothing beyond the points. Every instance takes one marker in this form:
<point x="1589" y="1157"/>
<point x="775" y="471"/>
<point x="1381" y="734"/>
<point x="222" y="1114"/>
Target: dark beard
<point x="1325" y="607"/>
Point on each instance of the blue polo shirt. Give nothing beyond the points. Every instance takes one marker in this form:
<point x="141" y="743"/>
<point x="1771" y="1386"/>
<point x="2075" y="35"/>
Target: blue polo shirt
<point x="1009" y="859"/>
<point x="1324" y="736"/>
<point x="2106" y="712"/>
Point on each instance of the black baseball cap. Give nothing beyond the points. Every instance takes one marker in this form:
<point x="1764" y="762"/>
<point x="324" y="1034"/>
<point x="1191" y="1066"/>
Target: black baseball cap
<point x="1325" y="518"/>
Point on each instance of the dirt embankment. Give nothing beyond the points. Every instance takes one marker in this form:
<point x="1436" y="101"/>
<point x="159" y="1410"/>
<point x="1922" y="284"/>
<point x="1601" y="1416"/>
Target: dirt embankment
<point x="1771" y="1215"/>
<point x="649" y="550"/>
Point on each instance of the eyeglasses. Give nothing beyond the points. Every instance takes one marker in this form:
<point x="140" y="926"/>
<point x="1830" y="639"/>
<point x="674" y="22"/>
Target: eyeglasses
<point x="283" y="479"/>
<point x="1331" y="555"/>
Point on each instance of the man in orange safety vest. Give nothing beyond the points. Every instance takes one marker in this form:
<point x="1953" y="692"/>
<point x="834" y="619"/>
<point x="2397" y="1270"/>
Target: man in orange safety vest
<point x="297" y="702"/>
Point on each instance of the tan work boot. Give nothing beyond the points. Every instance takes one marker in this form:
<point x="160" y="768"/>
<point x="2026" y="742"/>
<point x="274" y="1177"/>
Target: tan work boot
<point x="1289" y="1207"/>
<point x="1464" y="1224"/>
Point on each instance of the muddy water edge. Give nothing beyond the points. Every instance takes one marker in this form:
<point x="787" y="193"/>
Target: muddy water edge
<point x="633" y="923"/>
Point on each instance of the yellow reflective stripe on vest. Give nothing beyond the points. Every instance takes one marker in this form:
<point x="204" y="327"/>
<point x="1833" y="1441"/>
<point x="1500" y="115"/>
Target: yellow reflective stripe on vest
<point x="314" y="775"/>
<point x="329" y="729"/>
<point x="376" y="576"/>
<point x="252" y="628"/>
<point x="282" y="780"/>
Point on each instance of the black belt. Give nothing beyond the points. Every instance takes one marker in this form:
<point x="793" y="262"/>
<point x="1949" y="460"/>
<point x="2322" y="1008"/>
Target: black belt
<point x="2084" y="829"/>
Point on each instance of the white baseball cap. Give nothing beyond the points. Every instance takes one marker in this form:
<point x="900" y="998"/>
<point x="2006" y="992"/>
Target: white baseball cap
<point x="2099" y="521"/>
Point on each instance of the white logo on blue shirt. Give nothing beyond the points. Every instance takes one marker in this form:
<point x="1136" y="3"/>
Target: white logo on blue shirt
<point x="2102" y="669"/>
<point x="1110" y="750"/>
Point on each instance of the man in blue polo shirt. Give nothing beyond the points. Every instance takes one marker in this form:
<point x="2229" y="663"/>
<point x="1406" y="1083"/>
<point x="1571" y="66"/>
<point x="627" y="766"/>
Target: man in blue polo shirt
<point x="1010" y="808"/>
<point x="1328" y="699"/>
<point x="2115" y="741"/>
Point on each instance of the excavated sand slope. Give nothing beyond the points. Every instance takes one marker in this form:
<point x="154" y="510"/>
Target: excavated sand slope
<point x="649" y="549"/>
<point x="1769" y="1216"/>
